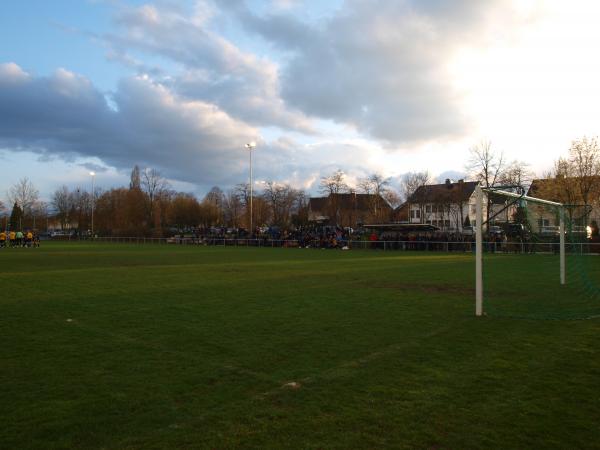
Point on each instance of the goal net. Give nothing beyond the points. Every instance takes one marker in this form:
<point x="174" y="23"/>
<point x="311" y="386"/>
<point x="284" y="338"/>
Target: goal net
<point x="535" y="258"/>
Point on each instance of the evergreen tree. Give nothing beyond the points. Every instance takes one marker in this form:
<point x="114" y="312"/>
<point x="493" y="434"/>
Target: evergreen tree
<point x="521" y="217"/>
<point x="16" y="217"/>
<point x="135" y="182"/>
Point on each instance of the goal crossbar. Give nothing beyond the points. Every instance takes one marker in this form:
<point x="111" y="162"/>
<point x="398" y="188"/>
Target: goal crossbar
<point x="521" y="197"/>
<point x="479" y="191"/>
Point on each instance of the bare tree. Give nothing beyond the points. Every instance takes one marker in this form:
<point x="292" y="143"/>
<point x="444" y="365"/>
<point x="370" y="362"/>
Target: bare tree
<point x="80" y="203"/>
<point x="487" y="166"/>
<point x="575" y="180"/>
<point x="62" y="205"/>
<point x="333" y="185"/>
<point x="516" y="177"/>
<point x="373" y="184"/>
<point x="216" y="198"/>
<point x="24" y="194"/>
<point x="393" y="198"/>
<point x="233" y="208"/>
<point x="283" y="200"/>
<point x="517" y="173"/>
<point x="377" y="186"/>
<point x="153" y="184"/>
<point x="584" y="158"/>
<point x="242" y="191"/>
<point x="40" y="214"/>
<point x="411" y="182"/>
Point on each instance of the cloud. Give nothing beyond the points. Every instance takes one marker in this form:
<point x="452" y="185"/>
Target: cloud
<point x="148" y="124"/>
<point x="213" y="68"/>
<point x="382" y="66"/>
<point x="65" y="115"/>
<point x="93" y="167"/>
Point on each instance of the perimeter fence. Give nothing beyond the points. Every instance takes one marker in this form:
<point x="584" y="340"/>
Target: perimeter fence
<point x="426" y="246"/>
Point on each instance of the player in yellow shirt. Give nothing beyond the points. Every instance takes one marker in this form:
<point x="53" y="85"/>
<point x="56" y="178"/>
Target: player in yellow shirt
<point x="28" y="239"/>
<point x="12" y="237"/>
<point x="2" y="239"/>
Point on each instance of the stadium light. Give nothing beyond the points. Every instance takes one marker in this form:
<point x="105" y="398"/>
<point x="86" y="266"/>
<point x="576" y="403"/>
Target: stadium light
<point x="93" y="175"/>
<point x="250" y="146"/>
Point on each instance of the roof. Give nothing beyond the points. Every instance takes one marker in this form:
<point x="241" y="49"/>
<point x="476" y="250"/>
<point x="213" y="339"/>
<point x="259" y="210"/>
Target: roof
<point x="361" y="202"/>
<point x="406" y="227"/>
<point x="543" y="187"/>
<point x="457" y="192"/>
<point x="561" y="190"/>
<point x="317" y="203"/>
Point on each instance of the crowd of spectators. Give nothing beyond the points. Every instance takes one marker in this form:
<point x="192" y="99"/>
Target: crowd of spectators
<point x="328" y="237"/>
<point x="331" y="237"/>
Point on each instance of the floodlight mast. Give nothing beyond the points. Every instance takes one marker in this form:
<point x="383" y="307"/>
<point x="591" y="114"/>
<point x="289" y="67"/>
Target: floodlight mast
<point x="250" y="146"/>
<point x="93" y="175"/>
<point x="479" y="238"/>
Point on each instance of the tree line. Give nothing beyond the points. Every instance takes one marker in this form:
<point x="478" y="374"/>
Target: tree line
<point x="150" y="207"/>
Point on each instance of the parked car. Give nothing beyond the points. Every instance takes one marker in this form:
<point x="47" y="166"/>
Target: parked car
<point x="517" y="230"/>
<point x="468" y="231"/>
<point x="495" y="230"/>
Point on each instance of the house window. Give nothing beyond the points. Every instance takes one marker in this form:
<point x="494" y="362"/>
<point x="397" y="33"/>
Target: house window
<point x="544" y="222"/>
<point x="428" y="208"/>
<point x="446" y="224"/>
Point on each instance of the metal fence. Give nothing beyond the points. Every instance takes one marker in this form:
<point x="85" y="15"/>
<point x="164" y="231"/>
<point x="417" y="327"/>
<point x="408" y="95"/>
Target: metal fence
<point x="425" y="246"/>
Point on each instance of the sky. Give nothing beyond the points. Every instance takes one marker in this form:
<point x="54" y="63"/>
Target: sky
<point x="364" y="86"/>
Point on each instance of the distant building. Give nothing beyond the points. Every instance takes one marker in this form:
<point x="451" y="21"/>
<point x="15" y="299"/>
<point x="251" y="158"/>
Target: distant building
<point x="567" y="191"/>
<point x="401" y="213"/>
<point x="451" y="206"/>
<point x="448" y="206"/>
<point x="349" y="210"/>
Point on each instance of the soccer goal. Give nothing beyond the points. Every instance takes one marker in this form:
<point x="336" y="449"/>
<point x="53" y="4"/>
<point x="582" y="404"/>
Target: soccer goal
<point x="515" y="235"/>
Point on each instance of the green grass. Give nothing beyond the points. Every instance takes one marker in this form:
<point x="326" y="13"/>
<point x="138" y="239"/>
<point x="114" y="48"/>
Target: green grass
<point x="119" y="346"/>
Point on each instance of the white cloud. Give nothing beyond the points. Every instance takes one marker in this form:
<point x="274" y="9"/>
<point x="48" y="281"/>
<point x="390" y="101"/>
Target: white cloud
<point x="12" y="73"/>
<point x="245" y="85"/>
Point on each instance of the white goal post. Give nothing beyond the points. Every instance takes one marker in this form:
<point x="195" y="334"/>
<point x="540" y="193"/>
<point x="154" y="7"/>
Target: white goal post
<point x="479" y="237"/>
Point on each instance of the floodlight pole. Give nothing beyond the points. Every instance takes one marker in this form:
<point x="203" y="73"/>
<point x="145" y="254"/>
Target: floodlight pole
<point x="562" y="245"/>
<point x="250" y="146"/>
<point x="93" y="175"/>
<point x="478" y="251"/>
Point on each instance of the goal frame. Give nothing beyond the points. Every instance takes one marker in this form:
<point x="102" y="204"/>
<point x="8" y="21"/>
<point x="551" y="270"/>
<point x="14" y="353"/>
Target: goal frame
<point x="479" y="191"/>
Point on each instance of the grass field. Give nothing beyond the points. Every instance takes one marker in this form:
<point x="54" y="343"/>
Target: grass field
<point x="119" y="346"/>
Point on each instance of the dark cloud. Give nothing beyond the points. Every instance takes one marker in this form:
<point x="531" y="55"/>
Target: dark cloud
<point x="65" y="115"/>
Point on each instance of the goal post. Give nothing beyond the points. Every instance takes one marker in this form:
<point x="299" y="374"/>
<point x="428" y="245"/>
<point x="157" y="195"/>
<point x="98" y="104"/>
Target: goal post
<point x="479" y="223"/>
